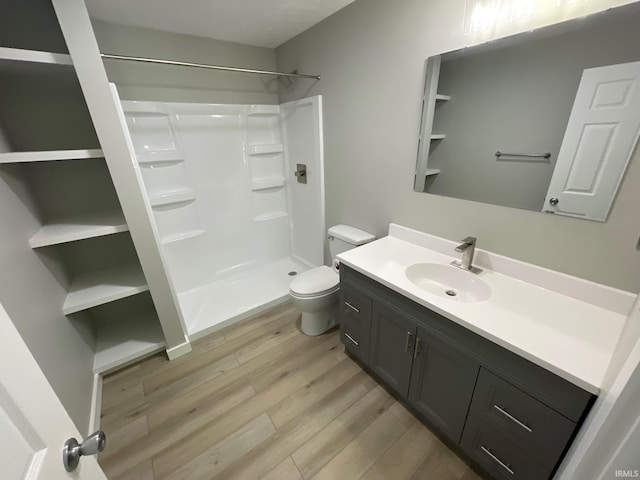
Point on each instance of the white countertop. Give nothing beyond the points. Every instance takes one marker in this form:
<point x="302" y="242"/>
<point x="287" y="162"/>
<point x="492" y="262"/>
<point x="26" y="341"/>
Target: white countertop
<point x="572" y="337"/>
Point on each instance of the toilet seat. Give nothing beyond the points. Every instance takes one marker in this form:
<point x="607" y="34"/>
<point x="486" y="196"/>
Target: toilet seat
<point x="316" y="282"/>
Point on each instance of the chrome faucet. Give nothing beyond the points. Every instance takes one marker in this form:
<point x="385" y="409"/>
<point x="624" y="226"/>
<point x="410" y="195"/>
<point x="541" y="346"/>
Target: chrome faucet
<point x="468" y="248"/>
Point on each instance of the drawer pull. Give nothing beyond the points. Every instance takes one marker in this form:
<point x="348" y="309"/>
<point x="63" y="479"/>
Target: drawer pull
<point x="352" y="307"/>
<point x="512" y="418"/>
<point x="351" y="338"/>
<point x="407" y="343"/>
<point x="497" y="460"/>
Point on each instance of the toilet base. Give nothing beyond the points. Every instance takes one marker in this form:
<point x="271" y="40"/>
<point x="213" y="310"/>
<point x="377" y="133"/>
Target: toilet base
<point x="316" y="323"/>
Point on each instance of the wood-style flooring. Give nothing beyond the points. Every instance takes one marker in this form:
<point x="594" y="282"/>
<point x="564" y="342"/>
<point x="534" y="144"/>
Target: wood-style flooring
<point x="260" y="400"/>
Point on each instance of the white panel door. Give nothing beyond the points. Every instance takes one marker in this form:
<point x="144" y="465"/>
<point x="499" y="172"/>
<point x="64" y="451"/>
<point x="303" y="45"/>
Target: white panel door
<point x="33" y="423"/>
<point x="302" y="137"/>
<point x="600" y="137"/>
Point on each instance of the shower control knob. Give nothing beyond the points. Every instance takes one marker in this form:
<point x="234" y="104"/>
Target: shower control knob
<point x="554" y="201"/>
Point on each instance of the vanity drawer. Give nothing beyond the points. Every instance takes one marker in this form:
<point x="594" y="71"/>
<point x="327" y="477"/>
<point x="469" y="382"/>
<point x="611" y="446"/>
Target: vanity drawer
<point x="355" y="342"/>
<point x="355" y="309"/>
<point x="497" y="454"/>
<point x="534" y="427"/>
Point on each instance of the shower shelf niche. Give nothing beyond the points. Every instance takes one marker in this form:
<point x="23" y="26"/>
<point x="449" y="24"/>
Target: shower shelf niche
<point x="267" y="183"/>
<point x="181" y="236"/>
<point x="270" y="216"/>
<point x="172" y="198"/>
<point x="159" y="157"/>
<point x="263" y="110"/>
<point x="264" y="149"/>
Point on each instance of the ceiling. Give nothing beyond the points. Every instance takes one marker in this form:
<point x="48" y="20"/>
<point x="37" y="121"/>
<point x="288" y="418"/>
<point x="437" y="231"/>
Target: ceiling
<point x="264" y="23"/>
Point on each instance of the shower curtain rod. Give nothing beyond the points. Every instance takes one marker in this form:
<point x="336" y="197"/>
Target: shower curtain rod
<point x="204" y="65"/>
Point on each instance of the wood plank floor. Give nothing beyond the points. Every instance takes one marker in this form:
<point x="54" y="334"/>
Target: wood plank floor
<point x="260" y="400"/>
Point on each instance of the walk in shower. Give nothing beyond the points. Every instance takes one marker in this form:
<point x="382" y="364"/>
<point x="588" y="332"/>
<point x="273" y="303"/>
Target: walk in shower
<point x="233" y="221"/>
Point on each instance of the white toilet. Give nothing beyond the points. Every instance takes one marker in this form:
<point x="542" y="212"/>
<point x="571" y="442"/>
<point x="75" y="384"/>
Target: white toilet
<point x="315" y="292"/>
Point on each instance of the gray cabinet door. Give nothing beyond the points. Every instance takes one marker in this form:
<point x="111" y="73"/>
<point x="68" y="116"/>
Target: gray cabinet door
<point x="442" y="383"/>
<point x="392" y="339"/>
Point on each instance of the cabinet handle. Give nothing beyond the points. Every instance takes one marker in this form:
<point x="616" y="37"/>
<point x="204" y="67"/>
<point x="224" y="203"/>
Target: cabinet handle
<point x="351" y="338"/>
<point x="352" y="307"/>
<point x="497" y="460"/>
<point x="417" y="349"/>
<point x="407" y="344"/>
<point x="513" y="419"/>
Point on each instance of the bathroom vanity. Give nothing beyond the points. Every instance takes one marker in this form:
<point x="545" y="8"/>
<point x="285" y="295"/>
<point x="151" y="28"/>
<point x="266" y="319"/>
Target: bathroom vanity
<point x="497" y="377"/>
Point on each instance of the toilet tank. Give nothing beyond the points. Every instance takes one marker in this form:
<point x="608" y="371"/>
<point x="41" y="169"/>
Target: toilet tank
<point x="345" y="237"/>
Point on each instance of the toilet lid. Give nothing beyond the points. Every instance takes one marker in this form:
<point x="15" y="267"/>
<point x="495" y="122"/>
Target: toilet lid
<point x="315" y="281"/>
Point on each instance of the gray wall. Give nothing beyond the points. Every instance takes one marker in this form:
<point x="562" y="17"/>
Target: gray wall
<point x="371" y="57"/>
<point x="518" y="99"/>
<point x="137" y="81"/>
<point x="33" y="287"/>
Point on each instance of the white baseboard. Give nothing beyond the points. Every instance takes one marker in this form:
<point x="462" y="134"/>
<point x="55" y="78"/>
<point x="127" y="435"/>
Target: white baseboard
<point x="179" y="350"/>
<point x="96" y="404"/>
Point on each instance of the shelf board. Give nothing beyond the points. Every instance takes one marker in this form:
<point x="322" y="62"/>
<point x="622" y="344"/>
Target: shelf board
<point x="172" y="198"/>
<point x="97" y="288"/>
<point x="47" y="156"/>
<point x="264" y="149"/>
<point x="270" y="216"/>
<point x="437" y="136"/>
<point x="79" y="228"/>
<point x="442" y="98"/>
<point x="181" y="236"/>
<point x="123" y="342"/>
<point x="267" y="183"/>
<point x="432" y="171"/>
<point x="34" y="56"/>
<point x="155" y="158"/>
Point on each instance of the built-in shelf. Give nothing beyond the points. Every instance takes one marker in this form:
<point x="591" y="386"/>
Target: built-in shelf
<point x="97" y="288"/>
<point x="432" y="171"/>
<point x="47" y="156"/>
<point x="172" y="198"/>
<point x="437" y="136"/>
<point x="122" y="342"/>
<point x="79" y="228"/>
<point x="270" y="216"/>
<point x="264" y="149"/>
<point x="267" y="183"/>
<point x="442" y="98"/>
<point x="263" y="110"/>
<point x="166" y="157"/>
<point x="181" y="236"/>
<point x="33" y="56"/>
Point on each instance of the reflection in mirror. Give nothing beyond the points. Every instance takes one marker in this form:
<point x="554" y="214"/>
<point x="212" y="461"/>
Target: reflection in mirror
<point x="544" y="121"/>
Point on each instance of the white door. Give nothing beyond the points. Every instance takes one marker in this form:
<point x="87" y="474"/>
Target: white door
<point x="600" y="137"/>
<point x="33" y="424"/>
<point x="301" y="122"/>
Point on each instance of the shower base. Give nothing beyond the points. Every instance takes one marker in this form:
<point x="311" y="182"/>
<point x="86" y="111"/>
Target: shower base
<point x="215" y="305"/>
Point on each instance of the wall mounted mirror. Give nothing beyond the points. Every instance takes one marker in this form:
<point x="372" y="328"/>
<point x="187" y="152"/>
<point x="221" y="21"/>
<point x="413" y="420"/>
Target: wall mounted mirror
<point x="546" y="120"/>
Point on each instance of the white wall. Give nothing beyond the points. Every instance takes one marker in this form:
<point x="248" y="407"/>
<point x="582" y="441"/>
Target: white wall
<point x="137" y="81"/>
<point x="371" y="57"/>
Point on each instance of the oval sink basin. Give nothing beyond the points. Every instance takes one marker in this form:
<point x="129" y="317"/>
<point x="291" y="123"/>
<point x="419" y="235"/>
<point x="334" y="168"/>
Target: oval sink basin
<point x="448" y="282"/>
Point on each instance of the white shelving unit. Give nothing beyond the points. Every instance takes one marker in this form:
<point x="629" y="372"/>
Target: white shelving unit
<point x="442" y="98"/>
<point x="438" y="136"/>
<point x="27" y="157"/>
<point x="97" y="288"/>
<point x="34" y="56"/>
<point x="432" y="171"/>
<point x="79" y="228"/>
<point x="126" y="341"/>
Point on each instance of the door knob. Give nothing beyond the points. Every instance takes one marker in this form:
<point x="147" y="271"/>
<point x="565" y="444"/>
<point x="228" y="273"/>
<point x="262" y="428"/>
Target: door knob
<point x="72" y="450"/>
<point x="553" y="201"/>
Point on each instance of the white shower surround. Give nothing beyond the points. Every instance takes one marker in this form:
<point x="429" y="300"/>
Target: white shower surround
<point x="231" y="218"/>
